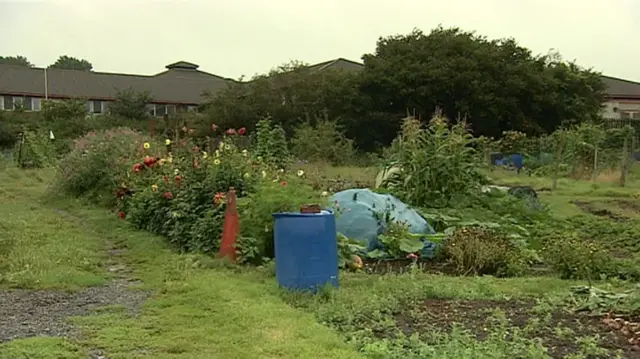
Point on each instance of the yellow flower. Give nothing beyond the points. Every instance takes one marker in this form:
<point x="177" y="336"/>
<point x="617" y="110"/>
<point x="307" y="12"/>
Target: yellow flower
<point x="244" y="153"/>
<point x="162" y="161"/>
<point x="216" y="162"/>
<point x="325" y="193"/>
<point x="264" y="174"/>
<point x="227" y="147"/>
<point x="167" y="142"/>
<point x="154" y="187"/>
<point x="246" y="175"/>
<point x="221" y="146"/>
<point x="146" y="145"/>
<point x="259" y="158"/>
<point x="205" y="154"/>
<point x="300" y="173"/>
<point x="176" y="171"/>
<point x="217" y="153"/>
<point x="281" y="170"/>
<point x="169" y="159"/>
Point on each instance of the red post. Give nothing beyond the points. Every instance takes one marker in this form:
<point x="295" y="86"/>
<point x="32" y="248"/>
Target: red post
<point x="231" y="227"/>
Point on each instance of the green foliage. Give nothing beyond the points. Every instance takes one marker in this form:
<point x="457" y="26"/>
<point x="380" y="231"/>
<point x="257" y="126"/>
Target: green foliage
<point x="71" y="63"/>
<point x="35" y="150"/>
<point x="497" y="84"/>
<point x="324" y="142"/>
<point x="438" y="166"/>
<point x="256" y="220"/>
<point x="130" y="104"/>
<point x="271" y="144"/>
<point x="93" y="166"/>
<point x="577" y="258"/>
<point x="347" y="251"/>
<point x="15" y="60"/>
<point x="481" y="251"/>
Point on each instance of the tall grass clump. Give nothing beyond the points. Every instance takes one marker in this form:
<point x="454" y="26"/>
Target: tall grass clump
<point x="436" y="165"/>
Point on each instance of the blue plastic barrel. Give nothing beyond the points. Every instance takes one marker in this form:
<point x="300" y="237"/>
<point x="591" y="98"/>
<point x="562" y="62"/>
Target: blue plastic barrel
<point x="306" y="250"/>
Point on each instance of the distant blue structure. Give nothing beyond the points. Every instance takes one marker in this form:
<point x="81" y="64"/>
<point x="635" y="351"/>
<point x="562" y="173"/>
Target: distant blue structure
<point x="306" y="250"/>
<point x="357" y="220"/>
<point x="516" y="160"/>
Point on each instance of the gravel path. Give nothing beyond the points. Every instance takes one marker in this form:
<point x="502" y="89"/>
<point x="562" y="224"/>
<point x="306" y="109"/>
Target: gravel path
<point x="30" y="313"/>
<point x="25" y="313"/>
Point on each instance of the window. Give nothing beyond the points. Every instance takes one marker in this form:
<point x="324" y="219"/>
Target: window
<point x="152" y="109"/>
<point x="171" y="109"/>
<point x="18" y="103"/>
<point x="88" y="106"/>
<point x="105" y="107"/>
<point x="97" y="106"/>
<point x="27" y="104"/>
<point x="192" y="109"/>
<point x="161" y="110"/>
<point x="629" y="115"/>
<point x="36" y="104"/>
<point x="1" y="103"/>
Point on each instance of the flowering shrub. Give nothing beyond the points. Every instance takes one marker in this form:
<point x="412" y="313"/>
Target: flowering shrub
<point x="92" y="166"/>
<point x="179" y="192"/>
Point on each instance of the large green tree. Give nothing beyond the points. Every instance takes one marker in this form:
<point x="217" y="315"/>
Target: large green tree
<point x="15" y="60"/>
<point x="495" y="84"/>
<point x="290" y="95"/>
<point x="71" y="63"/>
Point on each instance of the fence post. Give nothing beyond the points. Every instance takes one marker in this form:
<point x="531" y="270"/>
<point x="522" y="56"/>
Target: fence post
<point x="625" y="161"/>
<point x="594" y="175"/>
<point x="20" y="148"/>
<point x="556" y="169"/>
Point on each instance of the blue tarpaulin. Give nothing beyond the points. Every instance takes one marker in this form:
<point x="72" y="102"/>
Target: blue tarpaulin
<point x="357" y="218"/>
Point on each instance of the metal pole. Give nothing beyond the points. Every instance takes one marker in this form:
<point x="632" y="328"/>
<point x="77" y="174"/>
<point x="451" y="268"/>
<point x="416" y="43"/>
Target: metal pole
<point x="46" y="85"/>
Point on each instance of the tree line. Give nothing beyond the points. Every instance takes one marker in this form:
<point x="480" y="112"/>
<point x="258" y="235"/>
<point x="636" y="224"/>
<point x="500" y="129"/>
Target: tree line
<point x="63" y="62"/>
<point x="493" y="85"/>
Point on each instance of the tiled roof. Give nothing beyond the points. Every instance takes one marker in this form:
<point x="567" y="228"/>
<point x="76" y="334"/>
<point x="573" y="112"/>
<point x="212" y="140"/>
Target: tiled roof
<point x="181" y="83"/>
<point x="619" y="88"/>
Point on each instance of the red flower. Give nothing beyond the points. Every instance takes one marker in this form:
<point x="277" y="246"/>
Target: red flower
<point x="184" y="128"/>
<point x="219" y="198"/>
<point x="137" y="167"/>
<point x="195" y="149"/>
<point x="214" y="127"/>
<point x="167" y="195"/>
<point x="412" y="256"/>
<point x="178" y="179"/>
<point x="120" y="193"/>
<point x="283" y="183"/>
<point x="241" y="131"/>
<point x="166" y="179"/>
<point x="121" y="215"/>
<point x="195" y="163"/>
<point x="231" y="131"/>
<point x="149" y="161"/>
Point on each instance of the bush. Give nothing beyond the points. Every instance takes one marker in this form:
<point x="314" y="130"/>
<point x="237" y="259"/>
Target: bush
<point x="575" y="258"/>
<point x="280" y="194"/>
<point x="94" y="166"/>
<point x="323" y="142"/>
<point x="35" y="150"/>
<point x="480" y="251"/>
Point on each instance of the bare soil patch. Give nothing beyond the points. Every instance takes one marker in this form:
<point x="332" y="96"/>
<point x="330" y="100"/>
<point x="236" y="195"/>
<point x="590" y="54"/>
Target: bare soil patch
<point x="559" y="330"/>
<point x="600" y="212"/>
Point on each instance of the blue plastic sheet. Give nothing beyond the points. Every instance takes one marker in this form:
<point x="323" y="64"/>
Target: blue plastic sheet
<point x="357" y="221"/>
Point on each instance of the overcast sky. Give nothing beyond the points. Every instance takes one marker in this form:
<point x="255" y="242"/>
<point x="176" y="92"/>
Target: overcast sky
<point x="235" y="37"/>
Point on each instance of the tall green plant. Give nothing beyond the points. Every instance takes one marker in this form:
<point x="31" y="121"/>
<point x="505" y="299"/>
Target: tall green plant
<point x="438" y="164"/>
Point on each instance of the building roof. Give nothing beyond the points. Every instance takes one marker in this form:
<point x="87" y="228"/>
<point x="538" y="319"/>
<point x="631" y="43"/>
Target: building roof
<point x="182" y="83"/>
<point x="621" y="89"/>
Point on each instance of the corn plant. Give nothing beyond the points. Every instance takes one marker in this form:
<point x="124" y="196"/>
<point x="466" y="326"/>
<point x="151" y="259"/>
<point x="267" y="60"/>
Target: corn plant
<point x="438" y="164"/>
